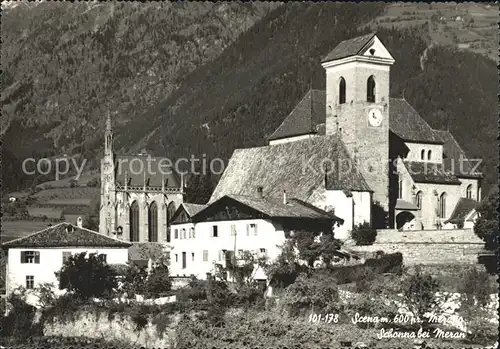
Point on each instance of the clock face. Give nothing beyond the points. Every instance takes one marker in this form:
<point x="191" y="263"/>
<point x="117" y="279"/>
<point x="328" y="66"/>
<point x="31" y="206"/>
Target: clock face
<point x="375" y="117"/>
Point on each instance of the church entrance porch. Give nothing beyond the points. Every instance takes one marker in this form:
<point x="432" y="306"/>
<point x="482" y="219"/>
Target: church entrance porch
<point x="407" y="216"/>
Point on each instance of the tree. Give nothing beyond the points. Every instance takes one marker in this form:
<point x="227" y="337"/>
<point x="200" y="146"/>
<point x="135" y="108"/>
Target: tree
<point x="486" y="226"/>
<point x="364" y="234"/>
<point x="158" y="282"/>
<point x="87" y="276"/>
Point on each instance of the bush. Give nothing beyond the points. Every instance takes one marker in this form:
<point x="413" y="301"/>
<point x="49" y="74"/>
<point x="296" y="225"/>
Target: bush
<point x="419" y="292"/>
<point x="87" y="276"/>
<point x="315" y="293"/>
<point x="19" y="322"/>
<point x="364" y="234"/>
<point x="158" y="283"/>
<point x="475" y="287"/>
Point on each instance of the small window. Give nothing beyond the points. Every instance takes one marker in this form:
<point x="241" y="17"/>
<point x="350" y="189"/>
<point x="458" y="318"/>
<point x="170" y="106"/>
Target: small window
<point x="176" y="257"/>
<point x="66" y="256"/>
<point x="418" y="200"/>
<point x="370" y="90"/>
<point x="221" y="255"/>
<point x="422" y="154"/>
<point x="233" y="229"/>
<point x="191" y="232"/>
<point x="342" y="91"/>
<point x="31" y="257"/>
<point x="442" y="206"/>
<point x="215" y="231"/>
<point x="183" y="233"/>
<point x="400" y="188"/>
<point x="205" y="255"/>
<point x="192" y="256"/>
<point x="252" y="229"/>
<point x="176" y="234"/>
<point x="429" y="155"/>
<point x="30" y="282"/>
<point x="468" y="193"/>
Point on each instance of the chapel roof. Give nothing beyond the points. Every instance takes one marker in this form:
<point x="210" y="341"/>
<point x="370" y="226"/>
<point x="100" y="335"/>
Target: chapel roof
<point x="462" y="209"/>
<point x="294" y="167"/>
<point x="426" y="172"/>
<point x="349" y="47"/>
<point x="66" y="235"/>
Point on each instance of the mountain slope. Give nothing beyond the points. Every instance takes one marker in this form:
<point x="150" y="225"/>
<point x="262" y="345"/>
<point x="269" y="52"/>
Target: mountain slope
<point x="66" y="63"/>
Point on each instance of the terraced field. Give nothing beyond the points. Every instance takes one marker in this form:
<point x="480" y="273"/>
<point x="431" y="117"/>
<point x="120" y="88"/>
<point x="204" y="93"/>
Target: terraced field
<point x="67" y="196"/>
<point x="15" y="229"/>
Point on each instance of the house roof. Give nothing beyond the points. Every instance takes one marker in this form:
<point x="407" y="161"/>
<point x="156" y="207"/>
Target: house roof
<point x="308" y="113"/>
<point x="297" y="167"/>
<point x="407" y="124"/>
<point x="275" y="208"/>
<point x="349" y="47"/>
<point x="306" y="118"/>
<point x="192" y="209"/>
<point x="462" y="209"/>
<point x="138" y="168"/>
<point x="452" y="153"/>
<point x="60" y="236"/>
<point x="424" y="172"/>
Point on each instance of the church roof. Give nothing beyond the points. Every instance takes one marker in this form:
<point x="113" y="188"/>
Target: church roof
<point x="304" y="118"/>
<point x="425" y="172"/>
<point x="136" y="169"/>
<point x="462" y="209"/>
<point x="349" y="47"/>
<point x="276" y="208"/>
<point x="296" y="167"/>
<point x="405" y="122"/>
<point x="66" y="235"/>
<point x="452" y="153"/>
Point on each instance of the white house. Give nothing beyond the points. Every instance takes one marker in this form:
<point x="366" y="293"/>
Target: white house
<point x="206" y="241"/>
<point x="34" y="259"/>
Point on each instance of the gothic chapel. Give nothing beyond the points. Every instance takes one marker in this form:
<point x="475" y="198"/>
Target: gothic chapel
<point x="138" y="197"/>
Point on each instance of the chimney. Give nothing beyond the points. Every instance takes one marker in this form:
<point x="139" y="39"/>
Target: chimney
<point x="285" y="201"/>
<point x="79" y="222"/>
<point x="260" y="192"/>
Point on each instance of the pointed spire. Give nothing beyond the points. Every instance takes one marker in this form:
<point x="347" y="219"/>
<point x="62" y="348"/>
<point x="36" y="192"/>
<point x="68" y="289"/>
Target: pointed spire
<point x="108" y="121"/>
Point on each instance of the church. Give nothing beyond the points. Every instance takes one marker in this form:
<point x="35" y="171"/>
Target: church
<point x="354" y="151"/>
<point x="139" y="194"/>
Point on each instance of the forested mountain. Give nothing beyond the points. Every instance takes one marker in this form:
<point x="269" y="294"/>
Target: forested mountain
<point x="230" y="97"/>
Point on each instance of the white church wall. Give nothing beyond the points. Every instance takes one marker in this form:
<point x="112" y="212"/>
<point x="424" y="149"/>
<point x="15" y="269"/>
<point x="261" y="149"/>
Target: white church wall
<point x="343" y="207"/>
<point x="415" y="153"/>
<point x="362" y="207"/>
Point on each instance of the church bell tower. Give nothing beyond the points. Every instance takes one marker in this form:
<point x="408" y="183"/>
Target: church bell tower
<point x="357" y="107"/>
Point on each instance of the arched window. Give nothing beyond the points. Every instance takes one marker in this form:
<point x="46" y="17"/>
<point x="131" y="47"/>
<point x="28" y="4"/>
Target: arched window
<point x="418" y="200"/>
<point x="134" y="221"/>
<point x="422" y="154"/>
<point x="442" y="205"/>
<point x="153" y="222"/>
<point x="468" y="193"/>
<point x="370" y="90"/>
<point x="429" y="155"/>
<point x="400" y="188"/>
<point x="342" y="91"/>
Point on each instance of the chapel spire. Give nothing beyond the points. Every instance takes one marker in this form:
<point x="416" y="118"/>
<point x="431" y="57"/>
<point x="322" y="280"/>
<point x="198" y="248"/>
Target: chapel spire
<point x="108" y="136"/>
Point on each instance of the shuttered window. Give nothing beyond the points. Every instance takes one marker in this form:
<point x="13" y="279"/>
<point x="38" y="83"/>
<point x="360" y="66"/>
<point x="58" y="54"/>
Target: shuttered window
<point x="32" y="257"/>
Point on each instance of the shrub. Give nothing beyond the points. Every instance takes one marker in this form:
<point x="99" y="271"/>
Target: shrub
<point x="94" y="182"/>
<point x="363" y="234"/>
<point x="87" y="276"/>
<point x="475" y="287"/>
<point x="419" y="291"/>
<point x="317" y="293"/>
<point x="158" y="282"/>
<point x="19" y="321"/>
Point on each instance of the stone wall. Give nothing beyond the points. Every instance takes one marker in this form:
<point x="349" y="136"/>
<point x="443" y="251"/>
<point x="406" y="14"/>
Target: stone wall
<point x="118" y="328"/>
<point x="457" y="246"/>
